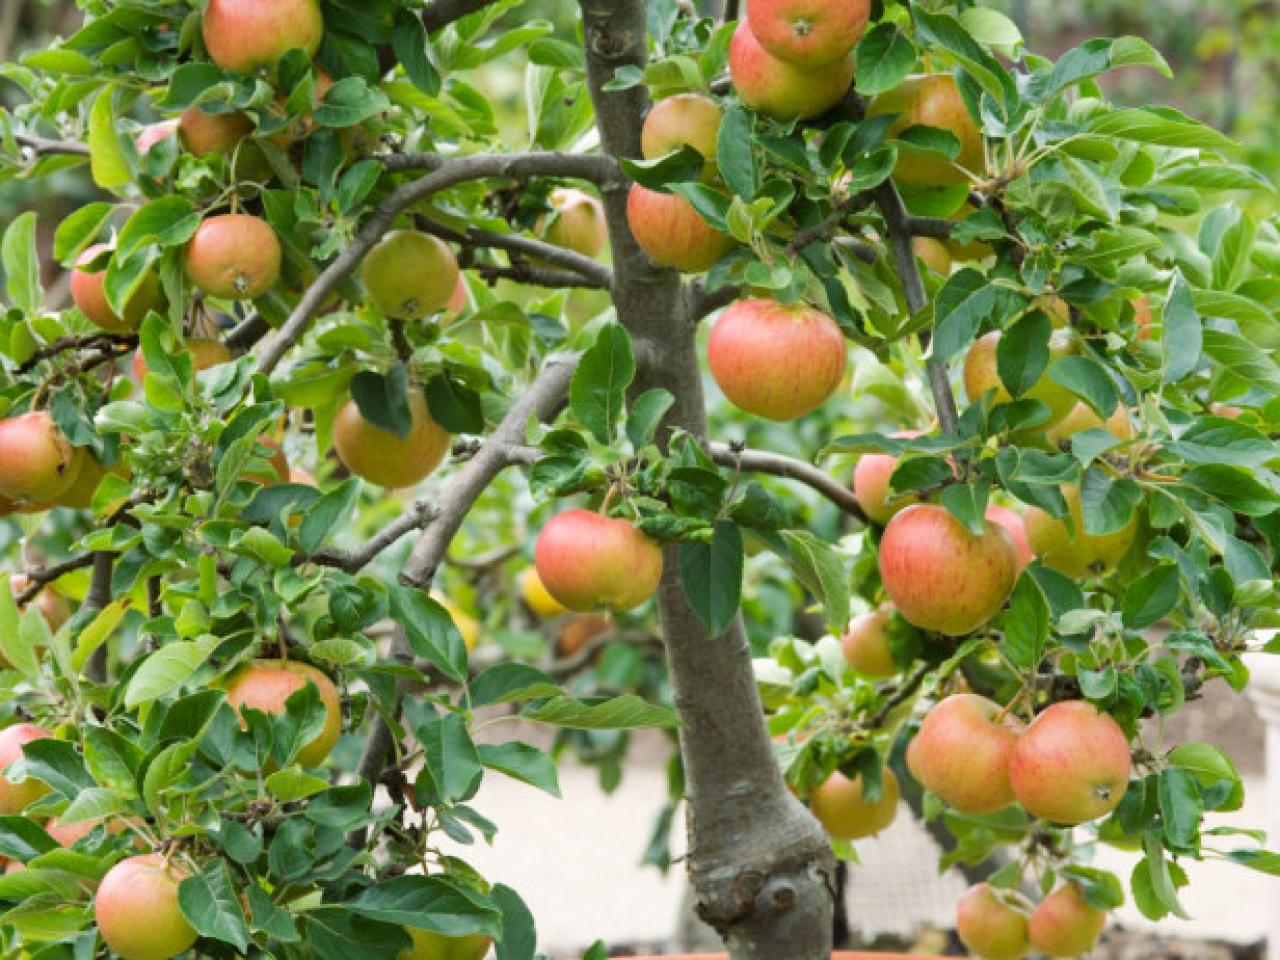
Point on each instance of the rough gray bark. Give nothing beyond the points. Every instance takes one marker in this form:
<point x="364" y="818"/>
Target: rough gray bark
<point x="760" y="865"/>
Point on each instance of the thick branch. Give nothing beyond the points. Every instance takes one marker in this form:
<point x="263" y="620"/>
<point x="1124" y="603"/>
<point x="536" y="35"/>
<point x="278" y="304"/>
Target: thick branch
<point x="447" y="173"/>
<point x="420" y="515"/>
<point x="543" y="397"/>
<point x="775" y="464"/>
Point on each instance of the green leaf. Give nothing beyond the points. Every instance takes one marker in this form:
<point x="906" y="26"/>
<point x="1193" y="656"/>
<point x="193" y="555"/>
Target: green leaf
<point x="946" y="31"/>
<point x="12" y="644"/>
<point x="1108" y="505"/>
<point x="409" y="41"/>
<point x="168" y="222"/>
<point x="430" y="630"/>
<point x="167" y="669"/>
<point x="1023" y="353"/>
<point x="1241" y="359"/>
<point x="712" y="575"/>
<point x="335" y="933"/>
<point x="1151" y="596"/>
<point x="1236" y="488"/>
<point x="820" y="570"/>
<point x="883" y="59"/>
<point x="107" y="159"/>
<point x="22" y="263"/>
<point x="210" y="904"/>
<point x="736" y="156"/>
<point x="509" y="682"/>
<point x="79" y="230"/>
<point x="452" y="760"/>
<point x="1026" y="624"/>
<point x="1164" y="126"/>
<point x="327" y="515"/>
<point x="1088" y="380"/>
<point x="965" y="300"/>
<point x="645" y="416"/>
<point x="519" y="935"/>
<point x="384" y="400"/>
<point x="523" y="762"/>
<point x="600" y="383"/>
<point x="1180" y="808"/>
<point x="437" y="904"/>
<point x="619" y="713"/>
<point x="98" y="631"/>
<point x="1211" y="767"/>
<point x="294" y="783"/>
<point x="967" y="502"/>
<point x="170" y="766"/>
<point x="454" y="405"/>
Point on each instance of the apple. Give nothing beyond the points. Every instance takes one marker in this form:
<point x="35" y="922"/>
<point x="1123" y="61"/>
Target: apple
<point x="1143" y="316"/>
<point x="578" y="631"/>
<point x="670" y="231"/>
<point x="410" y="275"/>
<point x="933" y="100"/>
<point x="88" y="292"/>
<point x="244" y="35"/>
<point x="962" y="753"/>
<point x="782" y="90"/>
<point x="588" y="561"/>
<point x="934" y="254"/>
<point x="136" y="909"/>
<point x="459" y="299"/>
<point x="838" y="806"/>
<point x="1073" y="551"/>
<point x="990" y="926"/>
<point x="16" y="797"/>
<point x="981" y="374"/>
<point x="1071" y="765"/>
<point x="233" y="256"/>
<point x="776" y="361"/>
<point x="866" y="645"/>
<point x="576" y="222"/>
<point x="435" y="946"/>
<point x="871" y="477"/>
<point x="808" y="33"/>
<point x="1081" y="417"/>
<point x="68" y="834"/>
<point x="380" y="456"/>
<point x="468" y="626"/>
<point x="1056" y="309"/>
<point x="536" y="596"/>
<point x="1016" y="527"/>
<point x="266" y="684"/>
<point x="37" y="462"/>
<point x="154" y="133"/>
<point x="207" y="133"/>
<point x="304" y="477"/>
<point x="1065" y="924"/>
<point x="687" y="119"/>
<point x="206" y="352"/>
<point x="52" y="606"/>
<point x="942" y="577"/>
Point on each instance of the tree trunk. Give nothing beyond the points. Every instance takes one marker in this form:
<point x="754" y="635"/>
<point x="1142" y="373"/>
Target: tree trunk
<point x="760" y="865"/>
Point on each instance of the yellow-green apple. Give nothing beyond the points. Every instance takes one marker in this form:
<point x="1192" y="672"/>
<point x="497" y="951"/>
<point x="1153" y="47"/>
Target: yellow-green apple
<point x="990" y="926"/>
<point x="1081" y="417"/>
<point x="942" y="577"/>
<point x="782" y="90"/>
<point x="16" y="797"/>
<point x="1075" y="552"/>
<point x="244" y="35"/>
<point x="136" y="909"/>
<point x="234" y="256"/>
<point x="962" y="753"/>
<point x="1071" y="765"/>
<point x="839" y="806"/>
<point x="207" y="133"/>
<point x="1065" y="924"/>
<point x="536" y="596"/>
<point x="576" y="222"/>
<point x="410" y="275"/>
<point x="435" y="946"/>
<point x="206" y="352"/>
<point x="981" y="373"/>
<point x="670" y="231"/>
<point x="89" y="294"/>
<point x="871" y="477"/>
<point x="37" y="462"/>
<point x="588" y="561"/>
<point x="1016" y="527"/>
<point x="380" y="456"/>
<point x="932" y="101"/>
<point x="776" y="361"/>
<point x="934" y="254"/>
<point x="866" y="644"/>
<point x="808" y="33"/>
<point x="266" y="684"/>
<point x="687" y="119"/>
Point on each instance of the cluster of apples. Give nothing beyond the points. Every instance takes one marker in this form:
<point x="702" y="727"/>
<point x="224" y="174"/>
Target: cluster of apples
<point x="1000" y="925"/>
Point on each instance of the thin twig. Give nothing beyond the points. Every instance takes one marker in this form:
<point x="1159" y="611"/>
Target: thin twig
<point x="43" y="146"/>
<point x="420" y="515"/>
<point x="901" y="694"/>
<point x="102" y="342"/>
<point x="97" y="598"/>
<point x="38" y="579"/>
<point x="596" y="273"/>
<point x="775" y="464"/>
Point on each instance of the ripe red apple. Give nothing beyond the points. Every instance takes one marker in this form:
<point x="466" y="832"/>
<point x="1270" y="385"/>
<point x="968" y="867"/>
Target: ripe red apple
<point x="266" y="684"/>
<point x="234" y="256"/>
<point x="687" y="119"/>
<point x="871" y="483"/>
<point x="778" y="362"/>
<point x="576" y="222"/>
<point x="808" y="33"/>
<point x="206" y="352"/>
<point x="981" y="374"/>
<point x="410" y="275"/>
<point x="932" y="101"/>
<point x="588" y="561"/>
<point x="37" y="462"/>
<point x="866" y="645"/>
<point x="52" y="606"/>
<point x="838" y="805"/>
<point x="89" y="294"/>
<point x="670" y="231"/>
<point x="1064" y="924"/>
<point x="16" y="797"/>
<point x="1074" y="552"/>
<point x="942" y="577"/>
<point x="1081" y="417"/>
<point x="962" y="753"/>
<point x="243" y="35"/>
<point x="1071" y="765"/>
<point x="69" y="834"/>
<point x="154" y="133"/>
<point x="381" y="457"/>
<point x="990" y="926"/>
<point x="934" y="254"/>
<point x="1016" y="527"/>
<point x="206" y="133"/>
<point x="136" y="909"/>
<point x="435" y="946"/>
<point x="782" y="90"/>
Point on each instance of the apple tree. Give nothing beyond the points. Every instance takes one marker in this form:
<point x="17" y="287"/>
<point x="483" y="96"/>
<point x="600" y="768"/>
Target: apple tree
<point x="321" y="267"/>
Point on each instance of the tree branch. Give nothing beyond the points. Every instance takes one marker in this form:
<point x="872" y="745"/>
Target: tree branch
<point x="775" y="464"/>
<point x="102" y="342"/>
<point x="97" y="598"/>
<point x="596" y="274"/>
<point x="419" y="515"/>
<point x="43" y="146"/>
<point x="448" y="172"/>
<point x="938" y="228"/>
<point x="543" y="396"/>
<point x="441" y="13"/>
<point x="246" y="333"/>
<point x="37" y="580"/>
